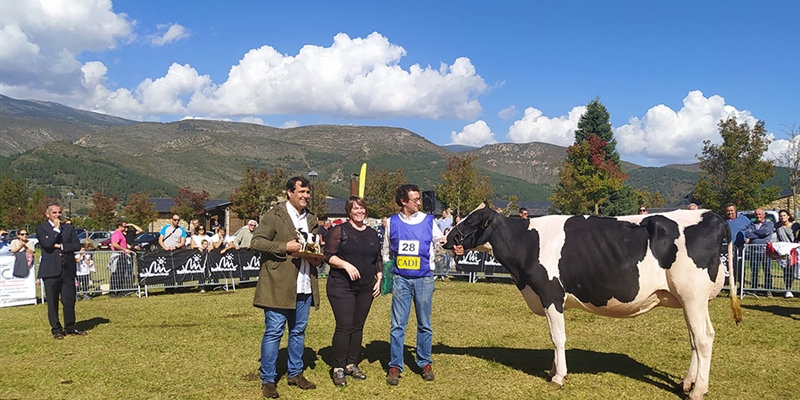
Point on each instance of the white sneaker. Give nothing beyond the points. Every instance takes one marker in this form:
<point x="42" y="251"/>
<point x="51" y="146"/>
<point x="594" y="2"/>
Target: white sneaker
<point x="788" y="295"/>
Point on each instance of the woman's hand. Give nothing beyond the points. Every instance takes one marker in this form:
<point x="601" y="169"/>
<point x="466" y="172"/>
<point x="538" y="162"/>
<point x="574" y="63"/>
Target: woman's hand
<point x="352" y="271"/>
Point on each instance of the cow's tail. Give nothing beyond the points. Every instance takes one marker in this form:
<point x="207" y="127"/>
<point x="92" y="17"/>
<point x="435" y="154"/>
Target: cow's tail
<point x="736" y="307"/>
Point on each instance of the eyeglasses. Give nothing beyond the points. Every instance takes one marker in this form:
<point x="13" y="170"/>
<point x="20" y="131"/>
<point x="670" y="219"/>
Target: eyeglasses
<point x="642" y="210"/>
<point x="176" y="219"/>
<point x="22" y="234"/>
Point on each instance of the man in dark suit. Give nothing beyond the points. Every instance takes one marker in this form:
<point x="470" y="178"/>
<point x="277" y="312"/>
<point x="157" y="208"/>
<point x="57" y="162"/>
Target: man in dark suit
<point x="57" y="269"/>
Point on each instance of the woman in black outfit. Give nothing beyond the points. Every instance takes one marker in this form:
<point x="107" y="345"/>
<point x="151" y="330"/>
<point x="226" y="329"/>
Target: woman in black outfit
<point x="353" y="251"/>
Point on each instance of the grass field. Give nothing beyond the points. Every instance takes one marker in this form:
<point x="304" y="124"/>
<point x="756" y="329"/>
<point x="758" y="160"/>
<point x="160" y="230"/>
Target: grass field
<point x="487" y="345"/>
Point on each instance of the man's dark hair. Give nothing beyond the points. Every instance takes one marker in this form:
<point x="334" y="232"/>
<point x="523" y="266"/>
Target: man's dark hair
<point x="521" y="209"/>
<point x="292" y="183"/>
<point x="402" y="193"/>
<point x="730" y="205"/>
<point x="119" y="223"/>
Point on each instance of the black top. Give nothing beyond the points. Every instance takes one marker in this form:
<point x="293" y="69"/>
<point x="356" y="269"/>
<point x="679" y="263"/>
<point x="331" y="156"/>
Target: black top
<point x="360" y="248"/>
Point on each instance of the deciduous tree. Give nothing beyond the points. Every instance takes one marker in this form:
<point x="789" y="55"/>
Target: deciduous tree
<point x="104" y="208"/>
<point x="789" y="158"/>
<point x="587" y="177"/>
<point x="463" y="187"/>
<point x="257" y="192"/>
<point x="140" y="209"/>
<point x="190" y="204"/>
<point x="37" y="205"/>
<point x="13" y="202"/>
<point x="320" y="193"/>
<point x="734" y="171"/>
<point x="379" y="191"/>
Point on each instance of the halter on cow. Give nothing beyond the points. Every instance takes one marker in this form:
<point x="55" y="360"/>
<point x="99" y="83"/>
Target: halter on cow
<point x="617" y="267"/>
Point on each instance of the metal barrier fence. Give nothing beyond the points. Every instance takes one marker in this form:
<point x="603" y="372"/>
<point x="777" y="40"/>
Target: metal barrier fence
<point x="115" y="273"/>
<point x="758" y="274"/>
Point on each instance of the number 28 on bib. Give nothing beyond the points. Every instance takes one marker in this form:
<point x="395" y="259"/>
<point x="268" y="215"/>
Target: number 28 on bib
<point x="408" y="255"/>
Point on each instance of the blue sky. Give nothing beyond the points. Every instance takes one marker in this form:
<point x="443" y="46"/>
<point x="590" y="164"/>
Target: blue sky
<point x="454" y="72"/>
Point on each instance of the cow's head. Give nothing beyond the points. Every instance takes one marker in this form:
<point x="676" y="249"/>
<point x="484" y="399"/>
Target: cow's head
<point x="473" y="232"/>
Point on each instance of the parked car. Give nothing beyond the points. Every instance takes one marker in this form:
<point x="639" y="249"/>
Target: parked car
<point x="147" y="241"/>
<point x="94" y="237"/>
<point x="104" y="245"/>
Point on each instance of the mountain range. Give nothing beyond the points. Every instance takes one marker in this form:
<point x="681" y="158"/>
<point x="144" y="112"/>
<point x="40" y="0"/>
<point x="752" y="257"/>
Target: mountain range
<point x="116" y="155"/>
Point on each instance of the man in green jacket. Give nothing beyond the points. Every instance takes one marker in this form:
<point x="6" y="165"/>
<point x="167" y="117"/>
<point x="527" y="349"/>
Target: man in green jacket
<point x="287" y="285"/>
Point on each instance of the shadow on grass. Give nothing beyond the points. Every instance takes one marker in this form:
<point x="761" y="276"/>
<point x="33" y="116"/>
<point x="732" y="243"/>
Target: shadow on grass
<point x="379" y="350"/>
<point x="90" y="324"/>
<point x="282" y="365"/>
<point x="788" y="312"/>
<point x="538" y="362"/>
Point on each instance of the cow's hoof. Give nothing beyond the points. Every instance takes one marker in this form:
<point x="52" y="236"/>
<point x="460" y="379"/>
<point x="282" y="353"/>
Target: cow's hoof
<point x="685" y="386"/>
<point x="696" y="396"/>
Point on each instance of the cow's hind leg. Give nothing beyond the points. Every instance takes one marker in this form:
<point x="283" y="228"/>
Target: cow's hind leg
<point x="701" y="337"/>
<point x="555" y="320"/>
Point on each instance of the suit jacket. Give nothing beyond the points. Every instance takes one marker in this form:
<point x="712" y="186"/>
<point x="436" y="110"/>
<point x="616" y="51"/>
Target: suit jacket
<point x="277" y="279"/>
<point x="54" y="260"/>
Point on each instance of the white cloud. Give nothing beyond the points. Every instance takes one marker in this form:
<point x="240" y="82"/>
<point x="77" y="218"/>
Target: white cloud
<point x="171" y="33"/>
<point x="475" y="134"/>
<point x="535" y="127"/>
<point x="667" y="136"/>
<point x="351" y="78"/>
<point x="40" y="41"/>
<point x="508" y="112"/>
<point x="253" y="120"/>
<point x="290" y="124"/>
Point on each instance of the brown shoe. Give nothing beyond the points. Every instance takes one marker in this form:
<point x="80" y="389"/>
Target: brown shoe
<point x="356" y="373"/>
<point x="427" y="373"/>
<point x="393" y="377"/>
<point x="301" y="382"/>
<point x="339" y="379"/>
<point x="269" y="390"/>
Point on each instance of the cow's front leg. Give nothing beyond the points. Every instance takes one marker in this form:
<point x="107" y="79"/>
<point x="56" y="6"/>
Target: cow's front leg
<point x="555" y="320"/>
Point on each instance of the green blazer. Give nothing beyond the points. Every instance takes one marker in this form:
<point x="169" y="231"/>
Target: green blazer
<point x="277" y="280"/>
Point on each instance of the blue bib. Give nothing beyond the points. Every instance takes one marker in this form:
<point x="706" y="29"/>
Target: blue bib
<point x="411" y="246"/>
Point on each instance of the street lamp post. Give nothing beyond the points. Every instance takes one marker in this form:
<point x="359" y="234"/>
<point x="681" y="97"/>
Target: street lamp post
<point x="312" y="176"/>
<point x="70" y="195"/>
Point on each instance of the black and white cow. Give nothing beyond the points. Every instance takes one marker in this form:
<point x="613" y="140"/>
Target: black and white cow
<point x="617" y="267"/>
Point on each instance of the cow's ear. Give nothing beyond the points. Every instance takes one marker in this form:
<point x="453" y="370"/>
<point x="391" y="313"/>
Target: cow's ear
<point x="486" y="203"/>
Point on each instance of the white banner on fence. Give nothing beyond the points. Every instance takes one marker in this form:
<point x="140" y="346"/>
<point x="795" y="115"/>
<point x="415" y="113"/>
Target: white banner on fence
<point x="15" y="291"/>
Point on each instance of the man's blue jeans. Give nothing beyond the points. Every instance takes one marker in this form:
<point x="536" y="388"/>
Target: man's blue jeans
<point x="420" y="290"/>
<point x="275" y="320"/>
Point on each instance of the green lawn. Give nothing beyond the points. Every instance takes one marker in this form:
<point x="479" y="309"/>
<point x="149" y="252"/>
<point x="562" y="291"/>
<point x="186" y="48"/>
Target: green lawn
<point x="487" y="345"/>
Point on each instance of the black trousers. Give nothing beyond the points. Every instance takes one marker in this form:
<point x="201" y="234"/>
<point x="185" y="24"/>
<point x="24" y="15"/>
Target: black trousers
<point x="350" y="304"/>
<point x="64" y="287"/>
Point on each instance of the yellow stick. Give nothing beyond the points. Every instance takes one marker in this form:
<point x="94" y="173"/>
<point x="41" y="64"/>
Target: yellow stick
<point x="362" y="180"/>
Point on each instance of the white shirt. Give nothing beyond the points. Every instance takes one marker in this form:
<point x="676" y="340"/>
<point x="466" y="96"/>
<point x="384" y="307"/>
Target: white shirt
<point x="303" y="278"/>
<point x="414" y="219"/>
